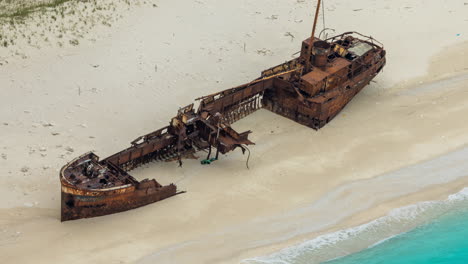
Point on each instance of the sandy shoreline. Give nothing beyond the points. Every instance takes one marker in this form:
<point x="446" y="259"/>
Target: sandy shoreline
<point x="352" y="244"/>
<point x="102" y="94"/>
<point x="275" y="230"/>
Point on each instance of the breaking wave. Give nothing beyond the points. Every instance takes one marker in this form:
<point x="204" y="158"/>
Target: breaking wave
<point x="344" y="242"/>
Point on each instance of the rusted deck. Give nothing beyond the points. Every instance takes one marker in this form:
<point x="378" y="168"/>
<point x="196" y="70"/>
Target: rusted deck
<point x="339" y="68"/>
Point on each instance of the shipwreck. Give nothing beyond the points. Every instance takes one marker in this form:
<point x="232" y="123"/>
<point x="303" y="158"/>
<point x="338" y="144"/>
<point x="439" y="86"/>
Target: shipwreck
<point x="310" y="89"/>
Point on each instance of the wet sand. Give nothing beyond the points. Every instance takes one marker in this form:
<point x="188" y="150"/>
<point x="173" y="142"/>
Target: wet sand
<point x="100" y="95"/>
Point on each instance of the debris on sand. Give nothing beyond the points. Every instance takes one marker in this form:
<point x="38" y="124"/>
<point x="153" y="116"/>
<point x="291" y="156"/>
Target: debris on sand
<point x="289" y="34"/>
<point x="25" y="169"/>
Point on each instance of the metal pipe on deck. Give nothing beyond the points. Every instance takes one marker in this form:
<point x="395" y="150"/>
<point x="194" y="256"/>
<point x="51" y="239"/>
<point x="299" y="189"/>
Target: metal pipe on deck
<point x="312" y="37"/>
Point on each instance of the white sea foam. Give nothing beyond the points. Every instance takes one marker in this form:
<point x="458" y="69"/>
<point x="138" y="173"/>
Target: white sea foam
<point x="344" y="242"/>
<point x="460" y="196"/>
<point x="382" y="241"/>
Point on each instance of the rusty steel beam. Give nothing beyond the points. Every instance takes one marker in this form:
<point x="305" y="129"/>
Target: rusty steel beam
<point x="312" y="37"/>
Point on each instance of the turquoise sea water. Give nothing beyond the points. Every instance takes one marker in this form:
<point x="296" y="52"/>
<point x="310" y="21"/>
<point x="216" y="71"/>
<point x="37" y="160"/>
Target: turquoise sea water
<point x="428" y="232"/>
<point x="443" y="240"/>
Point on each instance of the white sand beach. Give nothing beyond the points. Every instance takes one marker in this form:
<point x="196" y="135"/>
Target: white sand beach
<point x="402" y="140"/>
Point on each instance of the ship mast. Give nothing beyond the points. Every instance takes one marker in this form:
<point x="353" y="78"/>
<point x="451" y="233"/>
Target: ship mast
<point x="312" y="38"/>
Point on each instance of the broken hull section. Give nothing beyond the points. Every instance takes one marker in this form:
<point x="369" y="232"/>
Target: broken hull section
<point x="314" y="113"/>
<point x="81" y="202"/>
<point x="342" y="67"/>
<point x="78" y="204"/>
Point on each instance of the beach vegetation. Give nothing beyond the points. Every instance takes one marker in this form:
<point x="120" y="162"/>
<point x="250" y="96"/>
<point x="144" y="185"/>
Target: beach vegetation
<point x="15" y="9"/>
<point x="55" y="23"/>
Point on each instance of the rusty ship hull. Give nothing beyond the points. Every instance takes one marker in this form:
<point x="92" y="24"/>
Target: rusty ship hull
<point x="78" y="202"/>
<point x="310" y="89"/>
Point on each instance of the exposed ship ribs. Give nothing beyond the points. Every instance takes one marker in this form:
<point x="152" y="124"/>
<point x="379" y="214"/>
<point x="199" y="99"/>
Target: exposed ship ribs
<point x="310" y="89"/>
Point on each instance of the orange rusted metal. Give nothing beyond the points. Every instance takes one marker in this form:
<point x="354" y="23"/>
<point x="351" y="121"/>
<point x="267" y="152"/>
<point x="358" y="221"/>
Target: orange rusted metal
<point x="340" y="67"/>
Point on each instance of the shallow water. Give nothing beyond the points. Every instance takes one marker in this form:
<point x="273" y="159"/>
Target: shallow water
<point x="444" y="240"/>
<point x="427" y="232"/>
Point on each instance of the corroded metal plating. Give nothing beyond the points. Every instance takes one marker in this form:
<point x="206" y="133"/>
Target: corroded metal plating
<point x="339" y="68"/>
